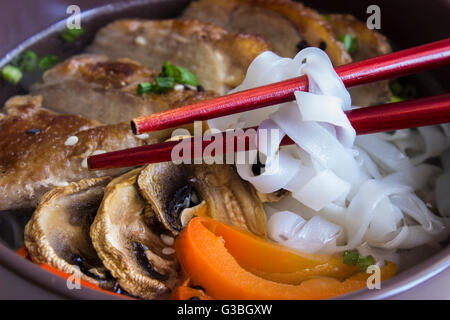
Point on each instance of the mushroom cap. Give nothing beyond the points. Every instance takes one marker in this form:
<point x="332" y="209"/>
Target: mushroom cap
<point x="58" y="232"/>
<point x="229" y="198"/>
<point x="129" y="242"/>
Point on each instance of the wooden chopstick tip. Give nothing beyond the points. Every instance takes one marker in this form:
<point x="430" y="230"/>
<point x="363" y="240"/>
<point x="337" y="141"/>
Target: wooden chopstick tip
<point x="91" y="164"/>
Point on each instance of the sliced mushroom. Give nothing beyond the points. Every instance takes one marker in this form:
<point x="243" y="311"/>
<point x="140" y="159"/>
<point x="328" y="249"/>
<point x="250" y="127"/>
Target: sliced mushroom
<point x="58" y="232"/>
<point x="129" y="242"/>
<point x="273" y="196"/>
<point x="166" y="187"/>
<point x="176" y="192"/>
<point x="370" y="44"/>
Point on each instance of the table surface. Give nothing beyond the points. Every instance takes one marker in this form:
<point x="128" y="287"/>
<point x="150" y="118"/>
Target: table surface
<point x="23" y="18"/>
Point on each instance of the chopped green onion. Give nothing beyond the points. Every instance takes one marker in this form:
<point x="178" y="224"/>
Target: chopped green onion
<point x="354" y="258"/>
<point x="351" y="257"/>
<point x="396" y="87"/>
<point x="144" y="87"/>
<point x="27" y="61"/>
<point x="161" y="85"/>
<point x="11" y="74"/>
<point x="168" y="70"/>
<point x="186" y="77"/>
<point x="166" y="80"/>
<point x="350" y="43"/>
<point x="365" y="262"/>
<point x="72" y="35"/>
<point x="401" y="92"/>
<point x="164" y="84"/>
<point x="179" y="74"/>
<point x="395" y="98"/>
<point x="326" y="17"/>
<point x="48" y="61"/>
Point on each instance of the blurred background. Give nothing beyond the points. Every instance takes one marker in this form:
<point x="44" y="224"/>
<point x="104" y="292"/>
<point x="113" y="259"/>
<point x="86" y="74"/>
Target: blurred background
<point x="20" y="19"/>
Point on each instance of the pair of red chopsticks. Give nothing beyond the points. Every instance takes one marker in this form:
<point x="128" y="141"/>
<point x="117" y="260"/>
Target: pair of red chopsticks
<point x="393" y="116"/>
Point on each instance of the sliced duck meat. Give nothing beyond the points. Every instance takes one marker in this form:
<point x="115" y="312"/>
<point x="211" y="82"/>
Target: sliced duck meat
<point x="289" y="27"/>
<point x="177" y="192"/>
<point x="40" y="150"/>
<point x="106" y="90"/>
<point x="218" y="58"/>
<point x="286" y="25"/>
<point x="370" y="42"/>
<point x="58" y="232"/>
<point x="132" y="244"/>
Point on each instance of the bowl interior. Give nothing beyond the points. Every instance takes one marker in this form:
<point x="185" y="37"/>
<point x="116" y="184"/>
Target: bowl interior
<point x="397" y="23"/>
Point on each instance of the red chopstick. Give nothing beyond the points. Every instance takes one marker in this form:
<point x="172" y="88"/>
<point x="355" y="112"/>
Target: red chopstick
<point x="400" y="63"/>
<point x="387" y="117"/>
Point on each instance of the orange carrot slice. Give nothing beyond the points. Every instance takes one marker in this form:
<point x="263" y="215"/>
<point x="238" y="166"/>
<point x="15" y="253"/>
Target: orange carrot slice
<point x="275" y="262"/>
<point x="204" y="256"/>
<point x="186" y="292"/>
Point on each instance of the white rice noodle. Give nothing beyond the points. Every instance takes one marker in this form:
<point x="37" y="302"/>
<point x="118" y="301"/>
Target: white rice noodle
<point x="435" y="142"/>
<point x="316" y="235"/>
<point x="346" y="193"/>
<point x="442" y="197"/>
<point x="446" y="128"/>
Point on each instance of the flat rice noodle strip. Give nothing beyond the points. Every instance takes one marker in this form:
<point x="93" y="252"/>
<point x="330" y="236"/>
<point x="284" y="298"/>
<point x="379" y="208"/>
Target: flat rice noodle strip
<point x="263" y="70"/>
<point x="435" y="143"/>
<point x="442" y="198"/>
<point x="363" y="206"/>
<point x="396" y="135"/>
<point x="413" y="206"/>
<point x="384" y="153"/>
<point x="331" y="188"/>
<point x="385" y="222"/>
<point x="367" y="163"/>
<point x="267" y="183"/>
<point x="317" y="235"/>
<point x="326" y="109"/>
<point x="322" y="147"/>
<point x="321" y="75"/>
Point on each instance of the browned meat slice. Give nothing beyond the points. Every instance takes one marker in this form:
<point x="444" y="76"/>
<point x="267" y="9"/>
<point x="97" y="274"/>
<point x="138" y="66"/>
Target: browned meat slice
<point x="370" y="44"/>
<point x="286" y="25"/>
<point x="219" y="59"/>
<point x="40" y="150"/>
<point x="97" y="88"/>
